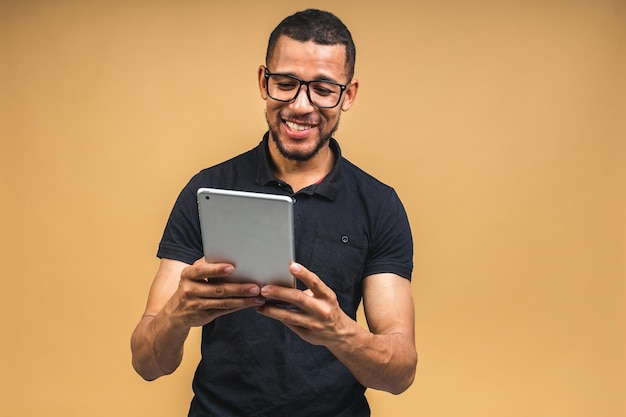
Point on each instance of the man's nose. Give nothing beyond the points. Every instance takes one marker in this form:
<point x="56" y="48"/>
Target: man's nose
<point x="302" y="102"/>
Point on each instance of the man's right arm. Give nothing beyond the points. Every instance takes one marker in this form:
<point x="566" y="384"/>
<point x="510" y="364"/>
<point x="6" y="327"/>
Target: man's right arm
<point x="182" y="296"/>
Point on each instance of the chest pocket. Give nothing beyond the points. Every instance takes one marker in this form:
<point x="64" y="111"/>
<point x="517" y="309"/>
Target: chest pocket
<point x="339" y="259"/>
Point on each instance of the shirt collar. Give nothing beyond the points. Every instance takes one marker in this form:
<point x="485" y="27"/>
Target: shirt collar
<point x="329" y="187"/>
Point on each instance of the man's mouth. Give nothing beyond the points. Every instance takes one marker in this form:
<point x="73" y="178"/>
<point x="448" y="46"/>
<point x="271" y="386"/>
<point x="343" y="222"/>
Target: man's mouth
<point x="297" y="126"/>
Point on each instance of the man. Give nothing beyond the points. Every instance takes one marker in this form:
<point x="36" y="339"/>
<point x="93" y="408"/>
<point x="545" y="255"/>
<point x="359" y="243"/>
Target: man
<point x="352" y="241"/>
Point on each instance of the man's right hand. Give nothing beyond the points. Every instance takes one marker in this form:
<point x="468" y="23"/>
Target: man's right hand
<point x="203" y="294"/>
<point x="184" y="296"/>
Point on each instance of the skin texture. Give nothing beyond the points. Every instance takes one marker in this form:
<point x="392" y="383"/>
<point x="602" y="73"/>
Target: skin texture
<point x="183" y="296"/>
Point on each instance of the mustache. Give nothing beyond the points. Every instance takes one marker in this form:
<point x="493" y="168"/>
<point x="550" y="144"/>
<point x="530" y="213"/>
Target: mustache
<point x="306" y="119"/>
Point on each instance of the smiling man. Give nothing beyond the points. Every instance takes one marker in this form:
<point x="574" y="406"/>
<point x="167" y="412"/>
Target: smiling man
<point x="353" y="244"/>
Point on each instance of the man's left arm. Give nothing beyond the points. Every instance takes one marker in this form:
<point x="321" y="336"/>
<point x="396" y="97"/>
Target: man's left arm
<point x="382" y="358"/>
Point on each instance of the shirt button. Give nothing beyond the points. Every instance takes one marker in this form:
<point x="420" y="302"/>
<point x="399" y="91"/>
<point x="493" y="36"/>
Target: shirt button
<point x="344" y="239"/>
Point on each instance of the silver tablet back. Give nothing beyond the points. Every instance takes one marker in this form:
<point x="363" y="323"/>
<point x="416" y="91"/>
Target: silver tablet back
<point x="252" y="231"/>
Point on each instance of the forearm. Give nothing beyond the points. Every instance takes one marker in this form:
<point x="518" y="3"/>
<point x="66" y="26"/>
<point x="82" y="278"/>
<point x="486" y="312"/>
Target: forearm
<point x="380" y="361"/>
<point x="157" y="346"/>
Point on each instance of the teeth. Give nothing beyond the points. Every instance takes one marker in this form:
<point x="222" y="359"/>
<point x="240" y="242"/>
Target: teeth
<point x="296" y="126"/>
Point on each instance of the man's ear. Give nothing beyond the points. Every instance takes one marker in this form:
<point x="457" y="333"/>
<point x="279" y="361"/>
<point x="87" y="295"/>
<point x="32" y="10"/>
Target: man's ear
<point x="262" y="82"/>
<point x="350" y="95"/>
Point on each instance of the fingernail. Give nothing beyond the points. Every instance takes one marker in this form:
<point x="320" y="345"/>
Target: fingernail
<point x="259" y="300"/>
<point x="255" y="291"/>
<point x="229" y="270"/>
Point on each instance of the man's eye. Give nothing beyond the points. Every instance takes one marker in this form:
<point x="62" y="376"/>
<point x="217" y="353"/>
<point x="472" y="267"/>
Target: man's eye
<point x="322" y="91"/>
<point x="287" y="85"/>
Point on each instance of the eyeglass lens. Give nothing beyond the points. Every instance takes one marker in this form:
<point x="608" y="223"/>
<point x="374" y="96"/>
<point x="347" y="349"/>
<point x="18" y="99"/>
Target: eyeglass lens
<point x="286" y="88"/>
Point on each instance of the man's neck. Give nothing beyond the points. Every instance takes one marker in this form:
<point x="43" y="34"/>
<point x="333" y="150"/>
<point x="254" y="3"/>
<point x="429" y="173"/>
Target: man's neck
<point x="301" y="174"/>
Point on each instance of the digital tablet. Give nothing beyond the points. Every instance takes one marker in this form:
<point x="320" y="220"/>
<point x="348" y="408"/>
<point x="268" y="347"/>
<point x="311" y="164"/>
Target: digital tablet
<point x="252" y="231"/>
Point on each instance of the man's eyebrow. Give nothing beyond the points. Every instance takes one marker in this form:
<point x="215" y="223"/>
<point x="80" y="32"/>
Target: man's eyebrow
<point x="324" y="77"/>
<point x="320" y="77"/>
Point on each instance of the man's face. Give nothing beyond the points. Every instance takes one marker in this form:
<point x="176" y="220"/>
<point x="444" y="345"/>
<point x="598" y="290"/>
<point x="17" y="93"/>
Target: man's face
<point x="298" y="128"/>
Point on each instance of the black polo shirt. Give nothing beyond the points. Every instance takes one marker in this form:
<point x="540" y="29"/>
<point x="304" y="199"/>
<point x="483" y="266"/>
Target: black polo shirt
<point x="347" y="227"/>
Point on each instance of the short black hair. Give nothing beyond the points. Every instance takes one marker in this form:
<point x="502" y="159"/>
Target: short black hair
<point x="319" y="26"/>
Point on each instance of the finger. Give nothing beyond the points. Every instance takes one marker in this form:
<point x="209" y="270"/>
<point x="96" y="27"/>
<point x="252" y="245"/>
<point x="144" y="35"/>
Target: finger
<point x="230" y="304"/>
<point x="229" y="290"/>
<point x="308" y="278"/>
<point x="203" y="271"/>
<point x="276" y="293"/>
<point x="288" y="316"/>
<point x="289" y="298"/>
<point x="210" y="309"/>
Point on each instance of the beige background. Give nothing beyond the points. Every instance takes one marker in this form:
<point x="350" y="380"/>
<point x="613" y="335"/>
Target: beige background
<point x="500" y="123"/>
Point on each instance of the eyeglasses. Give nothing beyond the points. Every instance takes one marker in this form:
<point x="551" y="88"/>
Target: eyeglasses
<point x="321" y="94"/>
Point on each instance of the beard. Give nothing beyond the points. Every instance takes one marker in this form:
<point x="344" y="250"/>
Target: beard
<point x="301" y="156"/>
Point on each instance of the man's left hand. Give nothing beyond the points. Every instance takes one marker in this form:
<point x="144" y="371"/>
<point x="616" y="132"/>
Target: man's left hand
<point x="314" y="314"/>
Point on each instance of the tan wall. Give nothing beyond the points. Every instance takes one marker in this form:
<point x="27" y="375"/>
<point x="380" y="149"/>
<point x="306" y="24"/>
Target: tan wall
<point x="500" y="123"/>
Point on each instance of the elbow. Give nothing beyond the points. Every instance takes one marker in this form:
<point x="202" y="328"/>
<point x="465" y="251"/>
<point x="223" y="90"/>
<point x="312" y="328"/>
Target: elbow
<point x="143" y="371"/>
<point x="396" y="376"/>
<point x="142" y="359"/>
<point x="403" y="385"/>
<point x="408" y="376"/>
<point x="148" y="368"/>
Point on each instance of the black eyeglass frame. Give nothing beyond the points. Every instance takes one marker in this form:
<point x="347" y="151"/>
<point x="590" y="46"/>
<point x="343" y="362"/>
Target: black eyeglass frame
<point x="343" y="87"/>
